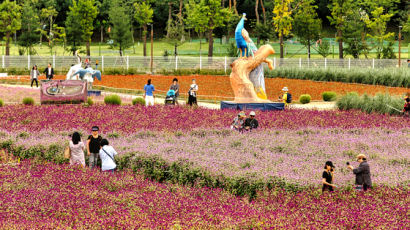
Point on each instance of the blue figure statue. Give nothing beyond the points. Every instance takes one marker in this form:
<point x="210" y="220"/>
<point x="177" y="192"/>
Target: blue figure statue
<point x="240" y="41"/>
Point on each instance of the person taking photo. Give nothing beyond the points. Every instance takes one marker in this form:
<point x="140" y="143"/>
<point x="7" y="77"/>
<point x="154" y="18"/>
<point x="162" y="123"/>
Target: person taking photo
<point x="363" y="180"/>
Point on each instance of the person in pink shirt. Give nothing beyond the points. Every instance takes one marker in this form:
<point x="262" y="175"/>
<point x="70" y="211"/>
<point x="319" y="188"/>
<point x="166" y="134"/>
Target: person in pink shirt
<point x="77" y="150"/>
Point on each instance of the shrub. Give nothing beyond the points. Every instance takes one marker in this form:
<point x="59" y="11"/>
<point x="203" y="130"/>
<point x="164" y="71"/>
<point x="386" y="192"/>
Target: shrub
<point x="329" y="96"/>
<point x="28" y="101"/>
<point x="112" y="99"/>
<point x="381" y="103"/>
<point x="304" y="98"/>
<point x="90" y="101"/>
<point x="139" y="101"/>
<point x="1" y="103"/>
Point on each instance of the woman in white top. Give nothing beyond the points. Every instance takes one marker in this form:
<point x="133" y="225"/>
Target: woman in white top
<point x="34" y="74"/>
<point x="77" y="150"/>
<point x="107" y="154"/>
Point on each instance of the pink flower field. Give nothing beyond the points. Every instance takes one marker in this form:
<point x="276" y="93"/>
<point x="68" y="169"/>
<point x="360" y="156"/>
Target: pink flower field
<point x="41" y="195"/>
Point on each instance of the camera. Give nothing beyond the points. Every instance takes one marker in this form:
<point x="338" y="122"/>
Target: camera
<point x="347" y="163"/>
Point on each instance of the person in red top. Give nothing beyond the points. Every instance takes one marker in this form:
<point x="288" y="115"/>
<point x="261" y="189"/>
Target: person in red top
<point x="406" y="108"/>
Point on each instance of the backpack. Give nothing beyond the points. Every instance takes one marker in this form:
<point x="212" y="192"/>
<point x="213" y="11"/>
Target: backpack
<point x="289" y="98"/>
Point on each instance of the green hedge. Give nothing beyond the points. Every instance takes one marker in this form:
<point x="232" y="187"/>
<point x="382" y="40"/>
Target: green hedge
<point x="112" y="99"/>
<point x="28" y="101"/>
<point x="139" y="101"/>
<point x="1" y="103"/>
<point x="381" y="103"/>
<point x="305" y="98"/>
<point x="396" y="77"/>
<point x="329" y="96"/>
<point x="156" y="168"/>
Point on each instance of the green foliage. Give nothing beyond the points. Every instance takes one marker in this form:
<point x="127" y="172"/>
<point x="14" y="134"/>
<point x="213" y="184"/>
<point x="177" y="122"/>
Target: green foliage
<point x="329" y="96"/>
<point x="307" y="26"/>
<point x="90" y="101"/>
<point x="138" y="101"/>
<point x="28" y="101"/>
<point x="263" y="32"/>
<point x="395" y="77"/>
<point x="381" y="103"/>
<point x="305" y="98"/>
<point x="1" y="103"/>
<point x="354" y="31"/>
<point x="324" y="48"/>
<point x="112" y="99"/>
<point x="282" y="19"/>
<point x="30" y="32"/>
<point x="121" y="27"/>
<point x="10" y="20"/>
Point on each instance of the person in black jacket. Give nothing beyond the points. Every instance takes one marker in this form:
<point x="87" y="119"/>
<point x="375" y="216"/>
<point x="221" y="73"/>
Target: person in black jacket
<point x="363" y="180"/>
<point x="251" y="122"/>
<point x="327" y="177"/>
<point x="49" y="71"/>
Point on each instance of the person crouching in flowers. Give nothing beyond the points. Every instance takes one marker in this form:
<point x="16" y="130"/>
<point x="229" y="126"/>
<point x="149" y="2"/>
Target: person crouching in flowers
<point x="107" y="154"/>
<point x="327" y="177"/>
<point x="77" y="150"/>
<point x="239" y="121"/>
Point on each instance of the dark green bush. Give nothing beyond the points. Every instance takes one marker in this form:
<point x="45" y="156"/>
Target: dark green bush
<point x="304" y="98"/>
<point x="90" y="101"/>
<point x="1" y="103"/>
<point x="381" y="103"/>
<point x="112" y="99"/>
<point x="28" y="101"/>
<point x="329" y="96"/>
<point x="139" y="101"/>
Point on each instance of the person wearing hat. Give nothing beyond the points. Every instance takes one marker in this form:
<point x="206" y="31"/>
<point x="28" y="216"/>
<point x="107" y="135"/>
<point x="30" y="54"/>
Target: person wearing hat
<point x="328" y="177"/>
<point x="286" y="97"/>
<point x="251" y="122"/>
<point x="406" y="108"/>
<point x="239" y="121"/>
<point x="363" y="180"/>
<point x="93" y="146"/>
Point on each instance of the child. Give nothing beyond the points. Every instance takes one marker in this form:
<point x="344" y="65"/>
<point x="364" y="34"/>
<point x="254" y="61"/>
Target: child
<point x="93" y="146"/>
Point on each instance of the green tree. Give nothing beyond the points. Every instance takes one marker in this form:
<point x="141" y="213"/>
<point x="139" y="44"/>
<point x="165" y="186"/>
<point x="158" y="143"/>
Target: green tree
<point x="282" y="20"/>
<point x="143" y="15"/>
<point x="195" y="20"/>
<point x="354" y="33"/>
<point x="30" y="28"/>
<point x="176" y="34"/>
<point x="121" y="27"/>
<point x="10" y="21"/>
<point x="377" y="26"/>
<point x="209" y="14"/>
<point x="340" y="11"/>
<point x="73" y="29"/>
<point x="82" y="14"/>
<point x="323" y="48"/>
<point x="307" y="26"/>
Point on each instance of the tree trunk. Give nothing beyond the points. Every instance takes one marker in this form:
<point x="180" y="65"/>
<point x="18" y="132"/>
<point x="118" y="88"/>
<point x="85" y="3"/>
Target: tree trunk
<point x="87" y="45"/>
<point x="281" y="45"/>
<point x="144" y="38"/>
<point x="180" y="8"/>
<point x="7" y="44"/>
<point x="308" y="48"/>
<point x="211" y="43"/>
<point x="230" y="4"/>
<point x="169" y="17"/>
<point x="264" y="13"/>
<point x="234" y="7"/>
<point x="256" y="11"/>
<point x="339" y="34"/>
<point x="102" y="35"/>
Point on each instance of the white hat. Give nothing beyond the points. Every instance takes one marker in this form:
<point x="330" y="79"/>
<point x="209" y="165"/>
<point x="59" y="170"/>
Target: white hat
<point x="252" y="113"/>
<point x="285" y="89"/>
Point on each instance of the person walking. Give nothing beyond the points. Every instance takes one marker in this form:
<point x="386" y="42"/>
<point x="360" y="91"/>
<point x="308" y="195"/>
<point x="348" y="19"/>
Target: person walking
<point x="327" y="177"/>
<point x="34" y="73"/>
<point x="192" y="100"/>
<point x="93" y="146"/>
<point x="49" y="71"/>
<point x="149" y="93"/>
<point x="363" y="180"/>
<point x="107" y="154"/>
<point x="286" y="97"/>
<point x="175" y="87"/>
<point x="96" y="64"/>
<point x="77" y="150"/>
<point x="251" y="122"/>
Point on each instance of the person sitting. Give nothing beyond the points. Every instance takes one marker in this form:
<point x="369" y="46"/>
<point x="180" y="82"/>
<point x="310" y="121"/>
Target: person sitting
<point x="406" y="109"/>
<point x="238" y="122"/>
<point x="251" y="122"/>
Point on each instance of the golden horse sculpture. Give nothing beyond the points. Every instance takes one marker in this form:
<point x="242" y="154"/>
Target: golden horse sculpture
<point x="243" y="88"/>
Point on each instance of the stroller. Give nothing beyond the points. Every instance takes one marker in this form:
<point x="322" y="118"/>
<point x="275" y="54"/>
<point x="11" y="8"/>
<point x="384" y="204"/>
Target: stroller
<point x="170" y="98"/>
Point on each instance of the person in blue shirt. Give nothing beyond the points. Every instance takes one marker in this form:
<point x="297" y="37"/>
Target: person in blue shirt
<point x="149" y="93"/>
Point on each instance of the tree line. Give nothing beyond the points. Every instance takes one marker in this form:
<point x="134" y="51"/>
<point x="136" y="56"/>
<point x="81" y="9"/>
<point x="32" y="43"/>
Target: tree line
<point x="360" y="25"/>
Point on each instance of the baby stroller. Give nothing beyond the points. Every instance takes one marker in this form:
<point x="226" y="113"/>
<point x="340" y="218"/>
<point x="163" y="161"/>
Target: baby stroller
<point x="170" y="98"/>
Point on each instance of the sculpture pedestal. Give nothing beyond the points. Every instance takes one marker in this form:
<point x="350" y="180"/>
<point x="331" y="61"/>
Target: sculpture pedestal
<point x="94" y="93"/>
<point x="268" y="106"/>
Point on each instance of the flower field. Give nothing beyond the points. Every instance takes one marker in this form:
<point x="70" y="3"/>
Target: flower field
<point x="219" y="88"/>
<point x="38" y="195"/>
